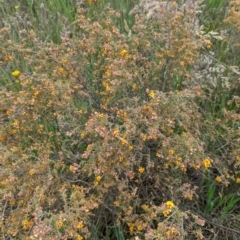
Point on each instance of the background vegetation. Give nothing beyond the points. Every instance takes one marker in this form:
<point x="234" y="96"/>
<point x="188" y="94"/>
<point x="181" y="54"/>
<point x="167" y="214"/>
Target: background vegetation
<point x="119" y="119"/>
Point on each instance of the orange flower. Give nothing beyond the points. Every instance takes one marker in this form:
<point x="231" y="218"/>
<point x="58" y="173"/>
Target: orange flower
<point x="207" y="163"/>
<point x="141" y="169"/>
<point x="166" y="213"/>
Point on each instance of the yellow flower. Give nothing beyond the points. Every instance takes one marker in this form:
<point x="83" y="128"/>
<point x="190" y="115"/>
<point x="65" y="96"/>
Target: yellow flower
<point x="80" y="225"/>
<point x="108" y="73"/>
<point x="59" y="224"/>
<point x="8" y="58"/>
<point x="26" y="81"/>
<point x="166" y="213"/>
<point x="124" y="141"/>
<point x="31" y="172"/>
<point x="40" y="128"/>
<point x="218" y="179"/>
<point x="16" y="123"/>
<point x="60" y="70"/>
<point x="123" y="52"/>
<point x="27" y="224"/>
<point x="182" y="63"/>
<point x="115" y="132"/>
<point x="16" y="73"/>
<point x="82" y="134"/>
<point x="145" y="207"/>
<point x="134" y="86"/>
<point x="178" y="161"/>
<point x="170" y="204"/>
<point x="208" y="44"/>
<point x="207" y="163"/>
<point x="238" y="180"/>
<point x="14" y="131"/>
<point x="168" y="233"/>
<point x="196" y="167"/>
<point x="177" y="16"/>
<point x="73" y="169"/>
<point x="171" y="232"/>
<point x="2" y="138"/>
<point x="106" y="85"/>
<point x="36" y="93"/>
<point x="16" y="7"/>
<point x="64" y="60"/>
<point x="79" y="237"/>
<point x="141" y="169"/>
<point x="8" y="112"/>
<point x="139" y="227"/>
<point x="152" y="94"/>
<point x="131" y="227"/>
<point x="190" y="197"/>
<point x="98" y="178"/>
<point x="170" y="152"/>
<point x="130" y="147"/>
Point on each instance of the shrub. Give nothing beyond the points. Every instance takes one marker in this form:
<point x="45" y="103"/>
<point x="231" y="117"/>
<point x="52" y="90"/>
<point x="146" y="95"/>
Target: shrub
<point x="108" y="135"/>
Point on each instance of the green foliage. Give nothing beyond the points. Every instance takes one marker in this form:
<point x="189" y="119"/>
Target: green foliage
<point x="218" y="203"/>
